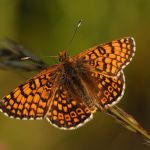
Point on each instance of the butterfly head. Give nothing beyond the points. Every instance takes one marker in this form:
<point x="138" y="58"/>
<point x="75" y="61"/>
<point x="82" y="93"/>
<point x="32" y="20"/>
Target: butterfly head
<point x="62" y="55"/>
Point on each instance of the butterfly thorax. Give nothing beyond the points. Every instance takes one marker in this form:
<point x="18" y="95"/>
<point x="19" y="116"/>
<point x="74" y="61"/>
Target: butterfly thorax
<point x="73" y="81"/>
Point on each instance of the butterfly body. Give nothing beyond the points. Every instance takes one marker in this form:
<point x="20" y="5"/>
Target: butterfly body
<point x="67" y="94"/>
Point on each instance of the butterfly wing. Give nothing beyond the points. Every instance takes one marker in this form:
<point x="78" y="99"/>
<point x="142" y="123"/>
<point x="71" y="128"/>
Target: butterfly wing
<point x="111" y="89"/>
<point x="66" y="111"/>
<point x="32" y="99"/>
<point x="105" y="90"/>
<point x="108" y="58"/>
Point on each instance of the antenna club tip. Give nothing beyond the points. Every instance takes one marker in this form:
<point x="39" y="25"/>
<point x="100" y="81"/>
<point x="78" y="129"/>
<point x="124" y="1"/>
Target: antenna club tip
<point x="80" y="22"/>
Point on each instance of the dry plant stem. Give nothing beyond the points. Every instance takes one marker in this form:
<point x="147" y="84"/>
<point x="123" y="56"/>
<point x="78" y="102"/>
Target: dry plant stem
<point x="127" y="121"/>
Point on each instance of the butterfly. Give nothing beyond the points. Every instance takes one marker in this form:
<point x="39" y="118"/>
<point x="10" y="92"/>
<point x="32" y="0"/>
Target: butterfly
<point x="69" y="93"/>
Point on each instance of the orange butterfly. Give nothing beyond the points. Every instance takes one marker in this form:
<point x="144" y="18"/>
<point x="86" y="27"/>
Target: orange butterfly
<point x="67" y="94"/>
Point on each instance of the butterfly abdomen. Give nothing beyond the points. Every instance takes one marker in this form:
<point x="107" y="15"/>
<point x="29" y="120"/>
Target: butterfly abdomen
<point x="76" y="85"/>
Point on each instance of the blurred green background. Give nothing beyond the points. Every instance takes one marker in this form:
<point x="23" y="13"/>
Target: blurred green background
<point x="45" y="27"/>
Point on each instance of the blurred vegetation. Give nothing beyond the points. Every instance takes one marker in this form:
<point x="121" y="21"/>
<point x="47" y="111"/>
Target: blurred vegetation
<point x="45" y="27"/>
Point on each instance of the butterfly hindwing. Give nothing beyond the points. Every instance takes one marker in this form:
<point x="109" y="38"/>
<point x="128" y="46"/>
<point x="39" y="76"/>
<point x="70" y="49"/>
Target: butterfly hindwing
<point x="66" y="112"/>
<point x="105" y="91"/>
<point x="111" y="89"/>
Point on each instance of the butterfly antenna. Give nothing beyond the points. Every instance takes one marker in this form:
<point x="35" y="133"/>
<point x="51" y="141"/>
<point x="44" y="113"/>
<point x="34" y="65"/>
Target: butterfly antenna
<point x="75" y="32"/>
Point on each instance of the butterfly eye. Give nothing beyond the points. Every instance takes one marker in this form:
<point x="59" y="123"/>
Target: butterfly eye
<point x="62" y="55"/>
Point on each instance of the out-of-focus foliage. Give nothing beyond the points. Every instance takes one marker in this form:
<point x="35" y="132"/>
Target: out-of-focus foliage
<point x="45" y="27"/>
<point x="14" y="56"/>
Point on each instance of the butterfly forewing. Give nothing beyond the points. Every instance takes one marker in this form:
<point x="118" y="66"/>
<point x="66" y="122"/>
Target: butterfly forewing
<point x="108" y="58"/>
<point x="31" y="100"/>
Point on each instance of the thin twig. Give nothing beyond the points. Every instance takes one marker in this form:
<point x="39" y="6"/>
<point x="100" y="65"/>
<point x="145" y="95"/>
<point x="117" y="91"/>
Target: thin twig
<point x="128" y="121"/>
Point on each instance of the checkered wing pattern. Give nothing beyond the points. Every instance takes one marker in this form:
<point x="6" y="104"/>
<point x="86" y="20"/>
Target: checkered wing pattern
<point x="32" y="99"/>
<point x="108" y="58"/>
<point x="67" y="112"/>
<point x="110" y="89"/>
